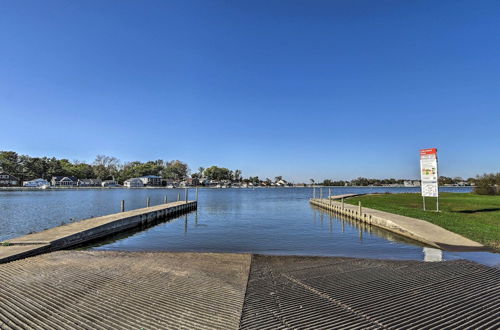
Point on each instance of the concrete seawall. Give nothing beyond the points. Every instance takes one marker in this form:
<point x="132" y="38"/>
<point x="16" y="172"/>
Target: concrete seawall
<point x="416" y="229"/>
<point x="88" y="230"/>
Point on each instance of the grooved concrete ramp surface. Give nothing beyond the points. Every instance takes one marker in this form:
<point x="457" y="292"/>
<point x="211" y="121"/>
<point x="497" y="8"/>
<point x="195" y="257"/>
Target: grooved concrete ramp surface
<point x="333" y="293"/>
<point x="121" y="290"/>
<point x="135" y="290"/>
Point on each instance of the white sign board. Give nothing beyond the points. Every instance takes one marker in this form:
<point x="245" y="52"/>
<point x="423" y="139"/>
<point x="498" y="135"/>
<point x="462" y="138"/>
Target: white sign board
<point x="429" y="172"/>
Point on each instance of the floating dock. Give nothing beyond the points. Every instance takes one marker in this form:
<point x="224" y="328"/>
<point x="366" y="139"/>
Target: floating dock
<point x="160" y="290"/>
<point x="416" y="229"/>
<point x="87" y="230"/>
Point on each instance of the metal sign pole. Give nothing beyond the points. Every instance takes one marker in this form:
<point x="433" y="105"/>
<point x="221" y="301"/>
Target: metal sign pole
<point x="423" y="198"/>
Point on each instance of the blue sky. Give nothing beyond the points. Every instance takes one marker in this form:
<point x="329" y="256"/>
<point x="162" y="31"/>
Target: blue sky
<point x="303" y="89"/>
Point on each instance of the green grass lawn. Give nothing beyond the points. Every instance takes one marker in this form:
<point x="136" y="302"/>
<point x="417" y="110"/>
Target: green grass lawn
<point x="473" y="216"/>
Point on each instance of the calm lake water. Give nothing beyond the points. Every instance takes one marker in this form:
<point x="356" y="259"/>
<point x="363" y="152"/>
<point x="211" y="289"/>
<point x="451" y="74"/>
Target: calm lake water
<point x="268" y="221"/>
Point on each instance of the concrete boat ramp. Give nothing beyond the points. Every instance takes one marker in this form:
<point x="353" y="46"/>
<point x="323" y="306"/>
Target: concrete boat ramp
<point x="416" y="229"/>
<point x="85" y="231"/>
<point x="160" y="290"/>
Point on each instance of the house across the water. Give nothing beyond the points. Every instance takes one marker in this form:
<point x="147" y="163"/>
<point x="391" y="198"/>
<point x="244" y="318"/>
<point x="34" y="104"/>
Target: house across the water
<point x="7" y="180"/>
<point x="89" y="182"/>
<point x="64" y="181"/>
<point x="151" y="180"/>
<point x="36" y="183"/>
<point x="109" y="183"/>
<point x="133" y="183"/>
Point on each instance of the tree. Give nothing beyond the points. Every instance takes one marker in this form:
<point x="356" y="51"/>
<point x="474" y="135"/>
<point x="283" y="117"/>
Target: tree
<point x="218" y="173"/>
<point x="10" y="163"/>
<point x="106" y="166"/>
<point x="471" y="181"/>
<point x="237" y="175"/>
<point x="312" y="182"/>
<point x="364" y="181"/>
<point x="35" y="167"/>
<point x="200" y="171"/>
<point x="175" y="170"/>
<point x="254" y="180"/>
<point x="54" y="168"/>
<point x="445" y="180"/>
<point x="83" y="171"/>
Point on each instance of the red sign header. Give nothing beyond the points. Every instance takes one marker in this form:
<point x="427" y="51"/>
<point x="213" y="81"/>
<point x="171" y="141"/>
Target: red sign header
<point x="430" y="151"/>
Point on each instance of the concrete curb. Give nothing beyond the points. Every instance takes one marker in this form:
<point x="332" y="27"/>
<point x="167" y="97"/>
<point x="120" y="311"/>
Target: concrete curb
<point x="416" y="229"/>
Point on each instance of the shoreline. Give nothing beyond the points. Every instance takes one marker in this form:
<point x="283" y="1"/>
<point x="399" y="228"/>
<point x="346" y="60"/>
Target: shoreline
<point x="204" y="187"/>
<point x="416" y="229"/>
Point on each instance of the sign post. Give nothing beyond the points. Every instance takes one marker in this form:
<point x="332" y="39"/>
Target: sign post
<point x="429" y="175"/>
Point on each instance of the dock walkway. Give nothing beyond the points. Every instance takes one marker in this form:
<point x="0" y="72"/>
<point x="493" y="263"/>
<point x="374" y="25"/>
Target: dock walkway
<point x="88" y="230"/>
<point x="415" y="229"/>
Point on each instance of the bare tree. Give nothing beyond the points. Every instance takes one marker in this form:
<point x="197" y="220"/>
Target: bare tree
<point x="106" y="166"/>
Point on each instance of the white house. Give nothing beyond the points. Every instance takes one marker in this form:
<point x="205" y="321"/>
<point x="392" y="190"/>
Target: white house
<point x="36" y="183"/>
<point x="89" y="182"/>
<point x="133" y="183"/>
<point x="410" y="183"/>
<point x="109" y="183"/>
<point x="151" y="180"/>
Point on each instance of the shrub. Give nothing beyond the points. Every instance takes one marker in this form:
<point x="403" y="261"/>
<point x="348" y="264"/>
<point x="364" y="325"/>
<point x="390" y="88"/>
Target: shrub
<point x="488" y="184"/>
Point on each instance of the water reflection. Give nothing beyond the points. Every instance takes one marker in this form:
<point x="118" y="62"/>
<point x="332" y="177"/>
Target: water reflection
<point x="185" y="224"/>
<point x="364" y="228"/>
<point x="267" y="221"/>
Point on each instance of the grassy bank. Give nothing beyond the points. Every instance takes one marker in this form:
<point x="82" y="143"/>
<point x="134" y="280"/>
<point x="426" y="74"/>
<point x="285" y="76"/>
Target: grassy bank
<point x="472" y="216"/>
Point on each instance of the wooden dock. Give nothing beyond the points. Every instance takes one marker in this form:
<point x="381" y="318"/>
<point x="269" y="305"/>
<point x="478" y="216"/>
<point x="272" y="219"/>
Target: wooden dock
<point x="87" y="230"/>
<point x="416" y="229"/>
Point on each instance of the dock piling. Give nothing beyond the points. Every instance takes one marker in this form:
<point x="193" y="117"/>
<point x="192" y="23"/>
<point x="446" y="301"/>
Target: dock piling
<point x="178" y="196"/>
<point x="166" y="199"/>
<point x="122" y="206"/>
<point x="148" y="202"/>
<point x="187" y="194"/>
<point x="359" y="208"/>
<point x="196" y="194"/>
<point x="342" y="203"/>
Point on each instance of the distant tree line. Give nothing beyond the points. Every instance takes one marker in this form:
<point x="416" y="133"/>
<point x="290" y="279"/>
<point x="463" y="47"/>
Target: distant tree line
<point x="443" y="180"/>
<point x="218" y="174"/>
<point x="104" y="167"/>
<point x="363" y="182"/>
<point x="223" y="174"/>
